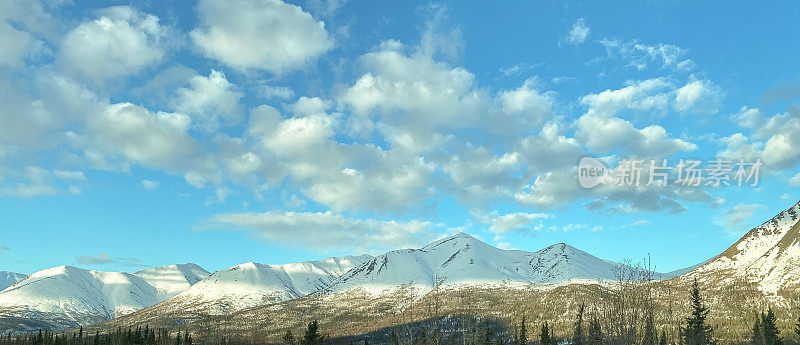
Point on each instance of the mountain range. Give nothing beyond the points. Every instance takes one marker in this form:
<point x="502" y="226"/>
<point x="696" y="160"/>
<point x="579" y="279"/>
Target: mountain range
<point x="65" y="296"/>
<point x="9" y="278"/>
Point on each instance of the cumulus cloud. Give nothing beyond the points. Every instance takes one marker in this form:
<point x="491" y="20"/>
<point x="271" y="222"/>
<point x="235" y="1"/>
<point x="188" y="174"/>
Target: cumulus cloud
<point x="210" y="101"/>
<point x="268" y="35"/>
<point x="157" y="140"/>
<point x="519" y="221"/>
<point x="327" y="230"/>
<point x="409" y="96"/>
<point x="120" y="42"/>
<point x="773" y="140"/>
<point x="578" y="33"/>
<point x="603" y="132"/>
<point x="700" y="96"/>
<point x="16" y="46"/>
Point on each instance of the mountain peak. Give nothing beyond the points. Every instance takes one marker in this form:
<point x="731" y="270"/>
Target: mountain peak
<point x="766" y="255"/>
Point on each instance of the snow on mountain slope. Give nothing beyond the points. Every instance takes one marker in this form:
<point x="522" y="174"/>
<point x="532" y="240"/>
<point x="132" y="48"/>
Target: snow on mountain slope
<point x="9" y="278"/>
<point x="252" y="284"/>
<point x="173" y="279"/>
<point x="464" y="259"/>
<point x="70" y="295"/>
<point x="768" y="255"/>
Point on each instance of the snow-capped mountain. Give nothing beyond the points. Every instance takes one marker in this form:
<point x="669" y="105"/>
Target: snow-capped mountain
<point x="768" y="255"/>
<point x="251" y="284"/>
<point x="464" y="259"/>
<point x="66" y="295"/>
<point x="9" y="278"/>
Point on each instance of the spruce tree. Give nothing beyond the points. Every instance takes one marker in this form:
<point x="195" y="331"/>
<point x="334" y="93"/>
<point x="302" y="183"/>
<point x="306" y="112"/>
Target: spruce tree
<point x="523" y="334"/>
<point x="312" y="336"/>
<point x="771" y="332"/>
<point x="288" y="337"/>
<point x="650" y="334"/>
<point x="544" y="335"/>
<point x="758" y="332"/>
<point x="663" y="339"/>
<point x="696" y="331"/>
<point x="487" y="334"/>
<point x="796" y="327"/>
<point x="595" y="332"/>
<point x="366" y="341"/>
<point x="394" y="340"/>
<point x="577" y="334"/>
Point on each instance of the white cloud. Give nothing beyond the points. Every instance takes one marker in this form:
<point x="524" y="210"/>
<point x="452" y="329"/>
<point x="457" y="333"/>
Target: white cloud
<point x="440" y="38"/>
<point x="262" y="34"/>
<point x="105" y="259"/>
<point x="578" y="33"/>
<point x="211" y="101"/>
<point x="195" y="179"/>
<point x="16" y="45"/>
<point x="121" y="42"/>
<point x="2" y="247"/>
<point x="409" y="97"/>
<point x="280" y="92"/>
<point x="519" y="221"/>
<point x="33" y="183"/>
<point x="603" y="132"/>
<point x="149" y="184"/>
<point x="75" y="190"/>
<point x="774" y="142"/>
<point x="70" y="175"/>
<point x="749" y="117"/>
<point x="795" y="180"/>
<point x="132" y="132"/>
<point x="327" y="230"/>
<point x="642" y="56"/>
<point x="736" y="219"/>
<point x="525" y="101"/>
<point x="699" y="95"/>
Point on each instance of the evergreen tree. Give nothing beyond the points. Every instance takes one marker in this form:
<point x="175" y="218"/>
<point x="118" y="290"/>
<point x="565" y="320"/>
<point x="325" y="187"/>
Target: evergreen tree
<point x="523" y="334"/>
<point x="796" y="328"/>
<point x="394" y="340"/>
<point x="487" y="334"/>
<point x="663" y="339"/>
<point x="758" y="332"/>
<point x="288" y="338"/>
<point x="650" y="334"/>
<point x="577" y="334"/>
<point x="96" y="340"/>
<point x="177" y="338"/>
<point x="771" y="332"/>
<point x="544" y="335"/>
<point x="312" y="336"/>
<point x="366" y="341"/>
<point x="696" y="331"/>
<point x="498" y="341"/>
<point x="595" y="332"/>
<point x="422" y="339"/>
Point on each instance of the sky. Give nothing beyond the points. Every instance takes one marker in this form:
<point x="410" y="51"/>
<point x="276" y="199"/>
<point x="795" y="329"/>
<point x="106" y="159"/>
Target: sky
<point x="139" y="134"/>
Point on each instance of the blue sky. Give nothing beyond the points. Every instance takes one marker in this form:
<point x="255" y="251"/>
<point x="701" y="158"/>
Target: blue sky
<point x="221" y="132"/>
